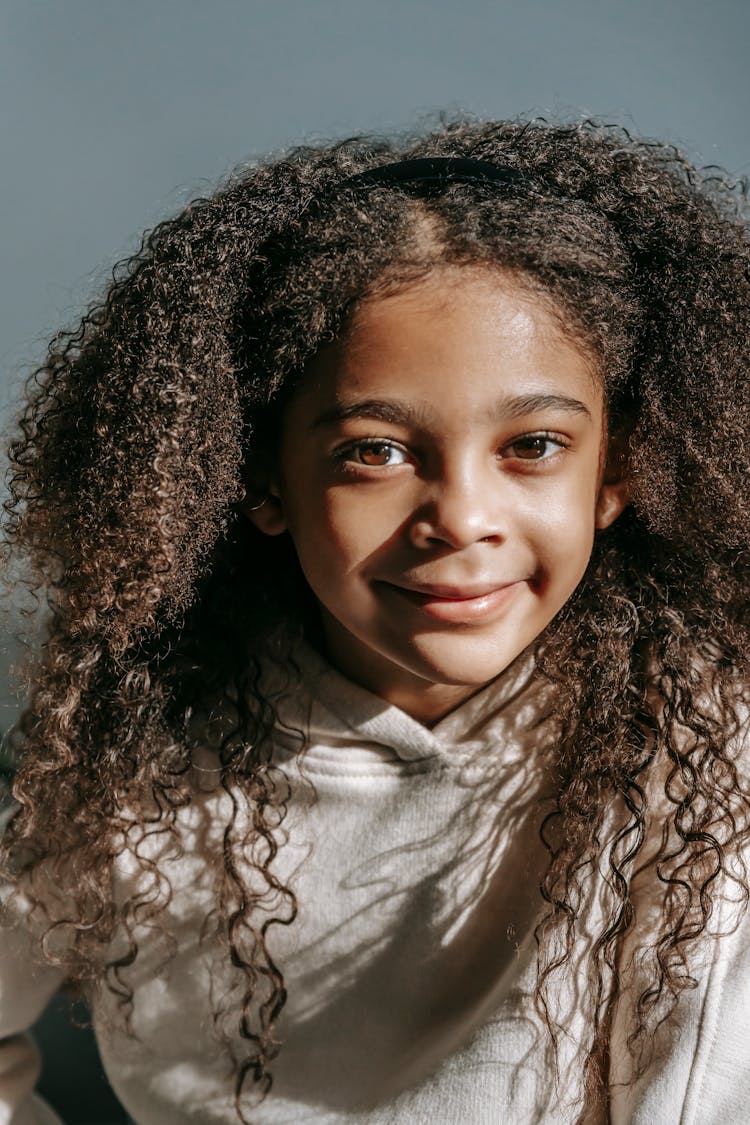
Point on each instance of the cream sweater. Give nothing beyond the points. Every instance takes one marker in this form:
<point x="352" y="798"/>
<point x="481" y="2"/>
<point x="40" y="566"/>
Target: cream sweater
<point x="414" y="858"/>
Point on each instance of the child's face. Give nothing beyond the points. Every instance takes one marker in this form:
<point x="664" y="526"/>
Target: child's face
<point x="440" y="474"/>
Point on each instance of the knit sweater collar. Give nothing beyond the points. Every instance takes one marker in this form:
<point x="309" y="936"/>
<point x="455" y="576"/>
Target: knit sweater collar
<point x="333" y="711"/>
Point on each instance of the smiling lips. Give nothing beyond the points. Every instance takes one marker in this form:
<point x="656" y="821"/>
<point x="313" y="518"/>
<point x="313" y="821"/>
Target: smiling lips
<point x="458" y="604"/>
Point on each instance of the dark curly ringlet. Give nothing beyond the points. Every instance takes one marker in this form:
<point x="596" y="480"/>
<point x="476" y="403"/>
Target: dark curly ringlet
<point x="148" y="421"/>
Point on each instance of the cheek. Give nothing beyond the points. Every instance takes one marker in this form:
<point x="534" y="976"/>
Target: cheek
<point x="563" y="533"/>
<point x="339" y="528"/>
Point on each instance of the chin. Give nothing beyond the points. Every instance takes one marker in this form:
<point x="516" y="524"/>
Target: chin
<point x="457" y="673"/>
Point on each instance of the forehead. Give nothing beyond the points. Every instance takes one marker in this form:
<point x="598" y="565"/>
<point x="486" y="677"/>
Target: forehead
<point x="460" y="338"/>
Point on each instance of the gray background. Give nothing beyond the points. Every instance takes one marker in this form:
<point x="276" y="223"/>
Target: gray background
<point x="114" y="112"/>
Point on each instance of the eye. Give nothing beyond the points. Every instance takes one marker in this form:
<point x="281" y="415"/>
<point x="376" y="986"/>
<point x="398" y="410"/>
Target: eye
<point x="535" y="447"/>
<point x="375" y="453"/>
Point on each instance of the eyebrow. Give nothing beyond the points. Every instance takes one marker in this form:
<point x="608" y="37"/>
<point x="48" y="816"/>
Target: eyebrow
<point x="400" y="413"/>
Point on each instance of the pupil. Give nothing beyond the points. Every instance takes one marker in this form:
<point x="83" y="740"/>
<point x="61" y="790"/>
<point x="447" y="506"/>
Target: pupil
<point x="374" y="454"/>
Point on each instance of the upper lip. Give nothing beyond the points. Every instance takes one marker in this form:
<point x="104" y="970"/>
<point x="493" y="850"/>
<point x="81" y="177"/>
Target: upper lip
<point x="453" y="593"/>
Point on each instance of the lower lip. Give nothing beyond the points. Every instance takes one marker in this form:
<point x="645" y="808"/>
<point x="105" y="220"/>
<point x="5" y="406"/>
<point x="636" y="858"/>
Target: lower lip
<point x="460" y="610"/>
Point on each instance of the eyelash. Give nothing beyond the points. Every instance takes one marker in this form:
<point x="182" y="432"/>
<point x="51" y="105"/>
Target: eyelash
<point x="550" y="439"/>
<point x="344" y="454"/>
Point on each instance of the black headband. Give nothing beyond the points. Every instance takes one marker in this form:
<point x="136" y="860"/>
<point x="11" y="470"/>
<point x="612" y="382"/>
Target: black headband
<point x="435" y="172"/>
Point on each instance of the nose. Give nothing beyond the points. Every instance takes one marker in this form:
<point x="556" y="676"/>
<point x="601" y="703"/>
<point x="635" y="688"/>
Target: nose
<point x="459" y="508"/>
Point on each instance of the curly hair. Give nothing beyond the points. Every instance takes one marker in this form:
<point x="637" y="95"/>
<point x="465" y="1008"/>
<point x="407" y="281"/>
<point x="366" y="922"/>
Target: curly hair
<point x="147" y="422"/>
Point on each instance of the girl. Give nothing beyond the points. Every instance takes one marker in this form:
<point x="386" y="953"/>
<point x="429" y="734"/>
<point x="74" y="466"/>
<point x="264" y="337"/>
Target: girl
<point x="387" y="755"/>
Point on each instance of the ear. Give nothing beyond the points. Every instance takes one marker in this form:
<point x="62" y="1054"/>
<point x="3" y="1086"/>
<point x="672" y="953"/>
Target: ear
<point x="614" y="490"/>
<point x="265" y="511"/>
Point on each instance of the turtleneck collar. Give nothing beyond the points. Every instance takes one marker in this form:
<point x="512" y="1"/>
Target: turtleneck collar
<point x="334" y="713"/>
